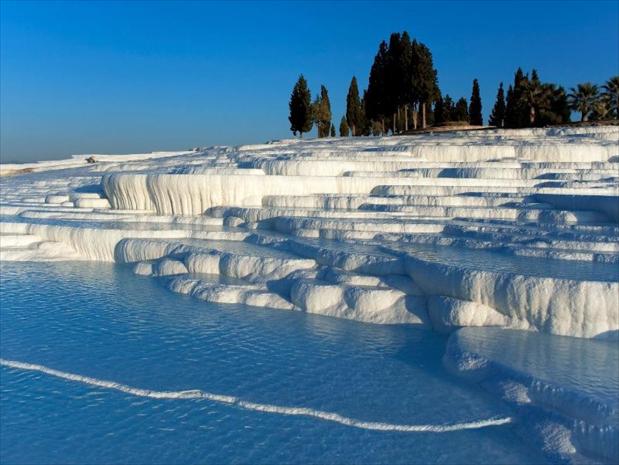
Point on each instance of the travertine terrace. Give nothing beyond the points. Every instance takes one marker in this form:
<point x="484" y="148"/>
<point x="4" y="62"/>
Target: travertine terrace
<point x="511" y="228"/>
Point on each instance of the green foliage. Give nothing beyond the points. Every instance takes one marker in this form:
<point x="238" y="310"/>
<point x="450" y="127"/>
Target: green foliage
<point x="534" y="97"/>
<point x="448" y="109"/>
<point x="510" y="109"/>
<point x="497" y="117"/>
<point x="582" y="99"/>
<point x="354" y="110"/>
<point x="475" y="106"/>
<point x="439" y="111"/>
<point x="594" y="105"/>
<point x="344" y="128"/>
<point x="403" y="84"/>
<point x="322" y="113"/>
<point x="300" y="108"/>
<point x="555" y="109"/>
<point x="611" y="95"/>
<point x="364" y="122"/>
<point x="402" y="77"/>
<point x="424" y="78"/>
<point x="376" y="101"/>
<point x="460" y="111"/>
<point x="532" y="103"/>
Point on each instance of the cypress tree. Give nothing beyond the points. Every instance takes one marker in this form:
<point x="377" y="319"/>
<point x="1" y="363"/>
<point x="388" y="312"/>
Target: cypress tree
<point x="424" y="79"/>
<point x="315" y="110"/>
<point x="520" y="108"/>
<point x="344" y="129"/>
<point x="439" y="111"/>
<point x="511" y="120"/>
<point x="364" y="122"/>
<point x="497" y="118"/>
<point x="460" y="111"/>
<point x="448" y="109"/>
<point x="475" y="106"/>
<point x="353" y="108"/>
<point x="322" y="113"/>
<point x="300" y="108"/>
<point x="402" y="81"/>
<point x="519" y="79"/>
<point x="332" y="130"/>
<point x="405" y="76"/>
<point x="376" y="99"/>
<point x="392" y="78"/>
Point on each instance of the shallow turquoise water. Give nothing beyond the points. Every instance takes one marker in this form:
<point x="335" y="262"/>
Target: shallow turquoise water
<point x="102" y="321"/>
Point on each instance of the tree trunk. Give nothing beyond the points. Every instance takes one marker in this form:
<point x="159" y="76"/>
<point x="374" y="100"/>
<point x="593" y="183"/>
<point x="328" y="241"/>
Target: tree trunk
<point x="532" y="116"/>
<point x="406" y="118"/>
<point x="383" y="123"/>
<point x="423" y="115"/>
<point x="415" y="116"/>
<point x="394" y="123"/>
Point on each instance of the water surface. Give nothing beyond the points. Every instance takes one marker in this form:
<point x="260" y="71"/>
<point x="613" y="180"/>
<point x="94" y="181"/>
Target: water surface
<point x="101" y="321"/>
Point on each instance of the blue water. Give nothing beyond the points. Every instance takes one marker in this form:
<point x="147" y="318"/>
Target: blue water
<point x="101" y="321"/>
<point x="586" y="366"/>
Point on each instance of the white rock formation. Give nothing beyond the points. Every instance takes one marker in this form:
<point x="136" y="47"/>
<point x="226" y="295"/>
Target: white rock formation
<point x="515" y="228"/>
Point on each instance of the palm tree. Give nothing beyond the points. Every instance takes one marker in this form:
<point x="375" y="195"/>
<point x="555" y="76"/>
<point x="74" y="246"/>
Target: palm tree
<point x="611" y="92"/>
<point x="601" y="109"/>
<point x="582" y="98"/>
<point x="535" y="96"/>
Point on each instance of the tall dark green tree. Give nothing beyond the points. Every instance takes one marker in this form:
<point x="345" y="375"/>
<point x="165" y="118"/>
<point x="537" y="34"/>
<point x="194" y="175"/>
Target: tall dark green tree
<point x="344" y="128"/>
<point x="439" y="111"/>
<point x="322" y="113"/>
<point x="402" y="83"/>
<point x="514" y="117"/>
<point x="424" y="79"/>
<point x="460" y="111"/>
<point x="404" y="68"/>
<point x="364" y="122"/>
<point x="556" y="110"/>
<point x="475" y="106"/>
<point x="393" y="79"/>
<point x="376" y="104"/>
<point x="511" y="118"/>
<point x="300" y="108"/>
<point x="354" y="110"/>
<point x="448" y="109"/>
<point x="497" y="117"/>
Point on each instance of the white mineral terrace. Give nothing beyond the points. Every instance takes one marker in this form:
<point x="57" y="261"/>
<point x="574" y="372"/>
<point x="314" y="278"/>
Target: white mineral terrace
<point x="512" y="228"/>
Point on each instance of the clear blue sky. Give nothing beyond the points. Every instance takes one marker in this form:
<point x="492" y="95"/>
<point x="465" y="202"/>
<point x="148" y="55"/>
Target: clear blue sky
<point x="79" y="77"/>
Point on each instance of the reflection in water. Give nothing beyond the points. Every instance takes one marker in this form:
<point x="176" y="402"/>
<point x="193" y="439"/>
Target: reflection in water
<point x="584" y="365"/>
<point x="102" y="322"/>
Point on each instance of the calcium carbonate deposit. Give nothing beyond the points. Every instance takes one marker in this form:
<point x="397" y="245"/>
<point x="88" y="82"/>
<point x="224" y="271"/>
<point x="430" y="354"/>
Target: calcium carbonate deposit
<point x="515" y="229"/>
<point x="512" y="228"/>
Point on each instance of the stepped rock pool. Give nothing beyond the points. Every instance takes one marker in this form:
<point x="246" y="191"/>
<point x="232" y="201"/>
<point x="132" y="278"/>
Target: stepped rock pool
<point x="301" y="388"/>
